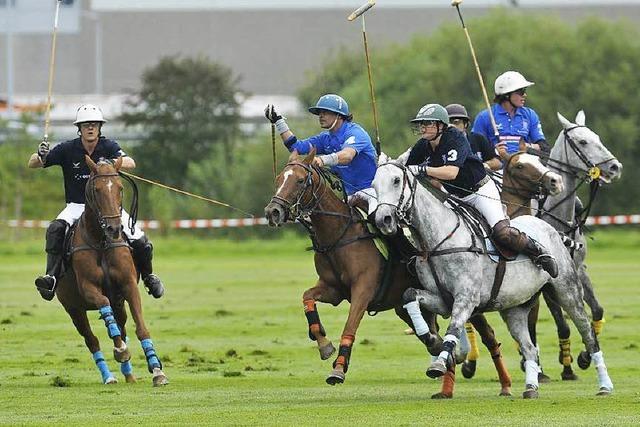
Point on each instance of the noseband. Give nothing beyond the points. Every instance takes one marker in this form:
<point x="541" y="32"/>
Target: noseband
<point x="592" y="169"/>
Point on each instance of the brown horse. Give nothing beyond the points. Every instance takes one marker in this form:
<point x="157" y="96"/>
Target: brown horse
<point x="348" y="264"/>
<point x="102" y="275"/>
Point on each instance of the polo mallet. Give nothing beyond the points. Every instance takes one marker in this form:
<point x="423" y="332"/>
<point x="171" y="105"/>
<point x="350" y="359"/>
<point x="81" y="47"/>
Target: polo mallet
<point x="52" y="61"/>
<point x="359" y="12"/>
<point x="273" y="151"/>
<point x="456" y="4"/>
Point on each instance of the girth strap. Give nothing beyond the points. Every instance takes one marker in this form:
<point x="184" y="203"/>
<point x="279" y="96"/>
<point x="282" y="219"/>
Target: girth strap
<point x="497" y="284"/>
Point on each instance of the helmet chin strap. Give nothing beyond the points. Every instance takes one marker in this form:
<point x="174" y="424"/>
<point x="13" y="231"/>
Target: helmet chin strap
<point x="334" y="123"/>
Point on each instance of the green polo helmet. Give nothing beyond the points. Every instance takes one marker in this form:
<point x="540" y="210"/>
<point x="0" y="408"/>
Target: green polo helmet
<point x="432" y="112"/>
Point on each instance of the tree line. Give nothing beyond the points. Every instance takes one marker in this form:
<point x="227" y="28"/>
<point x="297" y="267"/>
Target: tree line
<point x="188" y="111"/>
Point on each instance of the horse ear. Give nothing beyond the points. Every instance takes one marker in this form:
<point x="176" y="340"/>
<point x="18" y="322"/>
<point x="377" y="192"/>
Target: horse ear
<point x="580" y="118"/>
<point x="293" y="156"/>
<point x="307" y="160"/>
<point x="92" y="166"/>
<point x="118" y="163"/>
<point x="404" y="157"/>
<point x="383" y="158"/>
<point x="565" y="123"/>
<point x="522" y="145"/>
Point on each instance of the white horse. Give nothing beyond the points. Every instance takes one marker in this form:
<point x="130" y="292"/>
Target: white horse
<point x="579" y="157"/>
<point x="457" y="282"/>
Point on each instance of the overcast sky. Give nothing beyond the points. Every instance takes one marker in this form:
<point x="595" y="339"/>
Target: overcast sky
<point x="114" y="5"/>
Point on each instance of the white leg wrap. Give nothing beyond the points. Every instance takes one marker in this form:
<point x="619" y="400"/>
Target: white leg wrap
<point x="444" y="355"/>
<point x="531" y="370"/>
<point x="603" y="376"/>
<point x="419" y="325"/>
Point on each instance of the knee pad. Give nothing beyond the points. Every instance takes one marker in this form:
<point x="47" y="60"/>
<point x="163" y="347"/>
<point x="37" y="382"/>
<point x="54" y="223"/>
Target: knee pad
<point x="56" y="233"/>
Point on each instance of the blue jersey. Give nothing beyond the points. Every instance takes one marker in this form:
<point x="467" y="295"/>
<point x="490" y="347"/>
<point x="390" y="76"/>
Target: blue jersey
<point x="69" y="155"/>
<point x="524" y="124"/>
<point x="356" y="175"/>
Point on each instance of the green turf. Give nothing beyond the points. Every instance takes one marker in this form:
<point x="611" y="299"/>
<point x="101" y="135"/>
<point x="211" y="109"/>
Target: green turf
<point x="232" y="335"/>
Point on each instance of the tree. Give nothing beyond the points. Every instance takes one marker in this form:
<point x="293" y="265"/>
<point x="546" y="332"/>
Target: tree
<point x="188" y="110"/>
<point x="591" y="65"/>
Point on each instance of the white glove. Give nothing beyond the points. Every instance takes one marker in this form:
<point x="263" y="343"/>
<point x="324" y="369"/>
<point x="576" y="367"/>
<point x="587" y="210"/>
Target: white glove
<point x="418" y="170"/>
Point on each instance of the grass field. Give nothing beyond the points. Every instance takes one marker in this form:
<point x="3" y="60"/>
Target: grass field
<point x="232" y="335"/>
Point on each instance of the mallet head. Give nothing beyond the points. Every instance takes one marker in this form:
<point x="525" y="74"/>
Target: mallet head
<point x="455" y="3"/>
<point x="361" y="10"/>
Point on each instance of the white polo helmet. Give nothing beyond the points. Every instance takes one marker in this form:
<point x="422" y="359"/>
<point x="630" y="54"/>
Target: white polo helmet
<point x="89" y="113"/>
<point x="509" y="82"/>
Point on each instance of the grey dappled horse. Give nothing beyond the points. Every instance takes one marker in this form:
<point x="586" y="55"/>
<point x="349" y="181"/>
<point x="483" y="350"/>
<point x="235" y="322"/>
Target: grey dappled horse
<point x="579" y="157"/>
<point x="464" y="279"/>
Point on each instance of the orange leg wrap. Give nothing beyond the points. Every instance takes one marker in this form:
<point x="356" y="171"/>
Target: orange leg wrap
<point x="503" y="374"/>
<point x="448" y="382"/>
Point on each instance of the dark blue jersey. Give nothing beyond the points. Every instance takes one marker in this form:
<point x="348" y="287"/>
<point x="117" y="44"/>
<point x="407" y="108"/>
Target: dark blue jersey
<point x="481" y="147"/>
<point x="69" y="155"/>
<point x="453" y="150"/>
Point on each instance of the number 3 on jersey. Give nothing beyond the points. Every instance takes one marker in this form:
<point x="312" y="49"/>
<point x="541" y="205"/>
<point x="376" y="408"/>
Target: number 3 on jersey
<point x="452" y="155"/>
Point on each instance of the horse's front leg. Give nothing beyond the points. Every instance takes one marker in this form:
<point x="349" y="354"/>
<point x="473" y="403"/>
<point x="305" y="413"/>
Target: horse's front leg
<point x="121" y="318"/>
<point x="124" y="273"/>
<point x="463" y="306"/>
<point x="362" y="293"/>
<point x="323" y="293"/>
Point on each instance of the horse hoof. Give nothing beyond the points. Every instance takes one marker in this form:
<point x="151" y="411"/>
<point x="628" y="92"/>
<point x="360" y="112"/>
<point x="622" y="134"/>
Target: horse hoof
<point x="437" y="369"/>
<point x="121" y="354"/>
<point x="441" y="396"/>
<point x="530" y="394"/>
<point x="505" y="393"/>
<point x="468" y="368"/>
<point x="336" y="377"/>
<point x="111" y="380"/>
<point x="159" y="378"/>
<point x="584" y="360"/>
<point x="326" y="351"/>
<point x="604" y="392"/>
<point x="543" y="378"/>
<point x="568" y="376"/>
<point x="130" y="379"/>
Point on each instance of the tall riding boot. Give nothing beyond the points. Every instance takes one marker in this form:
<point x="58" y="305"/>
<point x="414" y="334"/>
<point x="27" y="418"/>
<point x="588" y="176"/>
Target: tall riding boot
<point x="142" y="256"/>
<point x="54" y="247"/>
<point x="541" y="257"/>
<point x="516" y="240"/>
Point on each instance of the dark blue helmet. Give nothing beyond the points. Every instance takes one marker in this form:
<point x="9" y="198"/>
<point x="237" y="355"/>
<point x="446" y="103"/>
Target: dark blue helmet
<point x="330" y="102"/>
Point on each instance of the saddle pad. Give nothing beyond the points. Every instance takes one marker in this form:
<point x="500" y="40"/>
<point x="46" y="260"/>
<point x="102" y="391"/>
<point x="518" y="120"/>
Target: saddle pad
<point x="521" y="224"/>
<point x="377" y="240"/>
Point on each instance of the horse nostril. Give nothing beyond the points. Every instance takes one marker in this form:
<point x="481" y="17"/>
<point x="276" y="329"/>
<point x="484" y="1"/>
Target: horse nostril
<point x="387" y="220"/>
<point x="614" y="167"/>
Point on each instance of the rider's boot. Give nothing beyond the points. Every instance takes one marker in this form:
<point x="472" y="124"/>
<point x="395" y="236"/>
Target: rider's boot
<point x="142" y="256"/>
<point x="56" y="233"/>
<point x="518" y="241"/>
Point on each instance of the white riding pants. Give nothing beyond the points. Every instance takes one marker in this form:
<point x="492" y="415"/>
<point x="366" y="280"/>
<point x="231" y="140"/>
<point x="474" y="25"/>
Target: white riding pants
<point x="368" y="195"/>
<point x="71" y="213"/>
<point x="487" y="201"/>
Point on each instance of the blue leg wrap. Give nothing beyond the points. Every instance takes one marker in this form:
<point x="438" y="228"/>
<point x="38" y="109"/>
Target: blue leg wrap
<point x="98" y="357"/>
<point x="106" y="314"/>
<point x="152" y="358"/>
<point x="126" y="368"/>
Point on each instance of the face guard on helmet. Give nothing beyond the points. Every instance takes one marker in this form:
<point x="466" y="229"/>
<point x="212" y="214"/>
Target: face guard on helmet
<point x="430" y="113"/>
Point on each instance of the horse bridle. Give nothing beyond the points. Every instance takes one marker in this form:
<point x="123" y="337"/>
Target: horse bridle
<point x="527" y="188"/>
<point x="90" y="196"/>
<point x="296" y="209"/>
<point x="403" y="207"/>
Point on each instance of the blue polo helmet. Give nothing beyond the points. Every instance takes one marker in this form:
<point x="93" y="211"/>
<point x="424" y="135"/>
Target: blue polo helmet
<point x="331" y="102"/>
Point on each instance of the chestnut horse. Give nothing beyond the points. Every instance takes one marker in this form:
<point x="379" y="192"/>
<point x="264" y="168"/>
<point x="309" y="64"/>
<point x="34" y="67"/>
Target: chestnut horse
<point x="102" y="275"/>
<point x="348" y="264"/>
